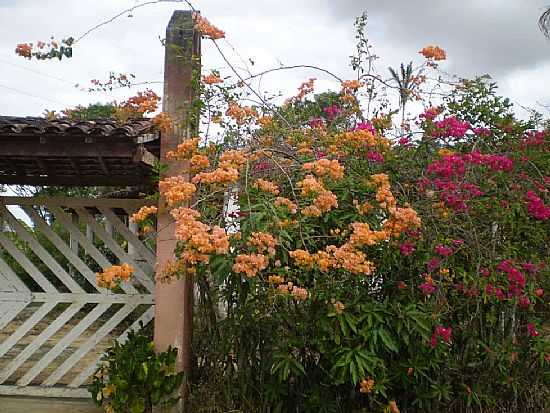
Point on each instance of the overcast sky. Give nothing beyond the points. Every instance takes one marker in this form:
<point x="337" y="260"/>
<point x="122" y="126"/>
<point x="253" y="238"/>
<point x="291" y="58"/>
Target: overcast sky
<point x="499" y="37"/>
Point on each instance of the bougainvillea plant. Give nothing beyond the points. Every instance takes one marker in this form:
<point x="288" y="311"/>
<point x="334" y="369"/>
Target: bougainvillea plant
<point x="347" y="261"/>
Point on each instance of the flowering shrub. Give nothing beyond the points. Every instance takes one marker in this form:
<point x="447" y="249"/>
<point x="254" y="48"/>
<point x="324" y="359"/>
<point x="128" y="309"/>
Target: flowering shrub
<point x="350" y="262"/>
<point x="368" y="272"/>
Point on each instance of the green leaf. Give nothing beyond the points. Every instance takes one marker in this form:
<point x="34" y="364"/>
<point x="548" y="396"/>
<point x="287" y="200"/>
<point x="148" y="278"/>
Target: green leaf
<point x="388" y="340"/>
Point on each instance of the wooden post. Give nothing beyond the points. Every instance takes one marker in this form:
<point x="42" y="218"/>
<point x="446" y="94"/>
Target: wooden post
<point x="174" y="301"/>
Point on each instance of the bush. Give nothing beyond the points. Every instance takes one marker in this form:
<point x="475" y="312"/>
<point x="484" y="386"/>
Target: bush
<point x="132" y="378"/>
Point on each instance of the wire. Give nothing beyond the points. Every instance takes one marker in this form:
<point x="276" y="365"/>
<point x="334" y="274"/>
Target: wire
<point x="37" y="72"/>
<point x="22" y="92"/>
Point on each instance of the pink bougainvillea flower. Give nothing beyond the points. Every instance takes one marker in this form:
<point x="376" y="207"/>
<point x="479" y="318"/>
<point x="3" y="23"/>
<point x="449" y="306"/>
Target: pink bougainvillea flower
<point x="524" y="301"/>
<point x="366" y="126"/>
<point x="443" y="250"/>
<point x="532" y="330"/>
<point x="443" y="333"/>
<point x="375" y="157"/>
<point x="427" y="288"/>
<point x="433" y="264"/>
<point x="407" y="248"/>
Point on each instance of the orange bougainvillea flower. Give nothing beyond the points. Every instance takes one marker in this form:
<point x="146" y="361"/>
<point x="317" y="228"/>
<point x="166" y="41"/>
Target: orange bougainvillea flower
<point x="266" y="186"/>
<point x="392" y="405"/>
<point x="324" y="167"/>
<point x="176" y="189"/>
<point x="207" y="29"/>
<point x="281" y="201"/>
<point x="250" y="264"/>
<point x="184" y="150"/>
<point x="263" y="242"/>
<point x="433" y="52"/>
<point x="240" y="114"/>
<point x="350" y="86"/>
<point x="366" y="385"/>
<point x="211" y="79"/>
<point x="143" y="213"/>
<point x="112" y="276"/>
<point x="163" y="122"/>
<point x="24" y="50"/>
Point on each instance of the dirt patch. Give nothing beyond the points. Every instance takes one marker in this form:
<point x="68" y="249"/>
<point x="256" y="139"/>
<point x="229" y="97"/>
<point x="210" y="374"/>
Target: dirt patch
<point x="44" y="405"/>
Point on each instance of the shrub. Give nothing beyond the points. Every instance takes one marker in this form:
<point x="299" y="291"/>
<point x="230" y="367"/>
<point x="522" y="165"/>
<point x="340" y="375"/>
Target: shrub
<point x="133" y="378"/>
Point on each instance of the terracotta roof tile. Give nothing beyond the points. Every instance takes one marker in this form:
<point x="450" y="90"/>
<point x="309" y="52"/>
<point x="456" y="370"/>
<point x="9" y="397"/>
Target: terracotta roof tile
<point x="10" y="125"/>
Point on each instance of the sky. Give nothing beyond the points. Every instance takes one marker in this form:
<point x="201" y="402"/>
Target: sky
<point x="499" y="37"/>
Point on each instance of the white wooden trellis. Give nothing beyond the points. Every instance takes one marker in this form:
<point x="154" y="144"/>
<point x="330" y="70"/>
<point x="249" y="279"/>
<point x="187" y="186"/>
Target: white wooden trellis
<point x="54" y="319"/>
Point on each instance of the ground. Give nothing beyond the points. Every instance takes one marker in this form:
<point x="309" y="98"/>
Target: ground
<point x="42" y="405"/>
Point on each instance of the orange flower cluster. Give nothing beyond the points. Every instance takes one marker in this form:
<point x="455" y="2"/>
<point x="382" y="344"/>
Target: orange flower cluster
<point x="366" y="386"/>
<point x="392" y="405"/>
<point x="176" y="189"/>
<point x="351" y="260"/>
<point x="384" y="195"/>
<point x="171" y="271"/>
<point x="356" y="140"/>
<point x="143" y="213"/>
<point x="363" y="208"/>
<point x="363" y="235"/>
<point x="433" y="52"/>
<point x="240" y="114"/>
<point x="263" y="242"/>
<point x="281" y="201"/>
<point x="112" y="276"/>
<point x="163" y="122"/>
<point x="350" y="86"/>
<point x="211" y="79"/>
<point x="310" y="186"/>
<point x="143" y="102"/>
<point x="305" y="88"/>
<point x="344" y="257"/>
<point x="207" y="29"/>
<point x="265" y="121"/>
<point x="324" y="167"/>
<point x="232" y="159"/>
<point x="339" y="307"/>
<point x="217" y="176"/>
<point x="401" y="219"/>
<point x="184" y="150"/>
<point x="299" y="294"/>
<point x="200" y="240"/>
<point x="228" y="171"/>
<point x="199" y="162"/>
<point x="266" y="186"/>
<point x="24" y="50"/>
<point x="323" y="202"/>
<point x="275" y="279"/>
<point x="250" y="264"/>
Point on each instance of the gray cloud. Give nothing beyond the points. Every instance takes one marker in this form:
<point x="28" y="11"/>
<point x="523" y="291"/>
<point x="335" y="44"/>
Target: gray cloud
<point x="489" y="36"/>
<point x="499" y="37"/>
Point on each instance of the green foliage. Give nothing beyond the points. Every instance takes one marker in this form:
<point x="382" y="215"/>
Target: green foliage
<point x="133" y="378"/>
<point x="92" y="112"/>
<point x="271" y="352"/>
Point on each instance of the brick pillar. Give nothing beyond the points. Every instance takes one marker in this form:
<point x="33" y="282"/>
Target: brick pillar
<point x="174" y="301"/>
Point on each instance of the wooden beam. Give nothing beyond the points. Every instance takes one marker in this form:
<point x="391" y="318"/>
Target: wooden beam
<point x="126" y="204"/>
<point x="77" y="180"/>
<point x="25" y="149"/>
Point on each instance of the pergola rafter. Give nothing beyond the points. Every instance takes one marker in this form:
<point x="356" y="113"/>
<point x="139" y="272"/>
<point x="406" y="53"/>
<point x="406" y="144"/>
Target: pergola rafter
<point x="35" y="151"/>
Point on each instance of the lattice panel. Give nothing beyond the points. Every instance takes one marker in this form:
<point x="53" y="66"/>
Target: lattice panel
<point x="54" y="320"/>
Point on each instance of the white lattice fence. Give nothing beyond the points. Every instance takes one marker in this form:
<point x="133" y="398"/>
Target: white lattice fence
<point x="54" y="319"/>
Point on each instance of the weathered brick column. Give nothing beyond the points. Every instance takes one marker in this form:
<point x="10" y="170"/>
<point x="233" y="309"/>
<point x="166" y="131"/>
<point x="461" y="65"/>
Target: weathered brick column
<point x="174" y="301"/>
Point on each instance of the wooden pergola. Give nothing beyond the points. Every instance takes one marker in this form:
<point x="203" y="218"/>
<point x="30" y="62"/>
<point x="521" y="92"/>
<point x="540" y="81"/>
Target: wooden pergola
<point x="63" y="152"/>
<point x="36" y="151"/>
